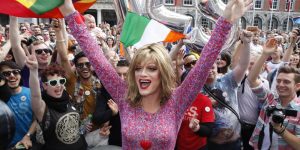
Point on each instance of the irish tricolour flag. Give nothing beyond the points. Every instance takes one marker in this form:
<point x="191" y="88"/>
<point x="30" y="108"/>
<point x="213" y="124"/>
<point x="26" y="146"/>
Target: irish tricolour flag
<point x="138" y="31"/>
<point x="40" y="8"/>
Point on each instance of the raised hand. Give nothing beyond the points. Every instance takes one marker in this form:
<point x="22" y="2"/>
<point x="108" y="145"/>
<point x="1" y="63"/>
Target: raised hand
<point x="113" y="106"/>
<point x="31" y="62"/>
<point x="270" y="46"/>
<point x="293" y="38"/>
<point x="236" y="9"/>
<point x="56" y="24"/>
<point x="67" y="8"/>
<point x="246" y="36"/>
<point x="179" y="58"/>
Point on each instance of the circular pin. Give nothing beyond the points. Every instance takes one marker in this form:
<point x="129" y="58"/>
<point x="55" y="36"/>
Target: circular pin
<point x="207" y="109"/>
<point x="225" y="94"/>
<point x="87" y="93"/>
<point x="23" y="98"/>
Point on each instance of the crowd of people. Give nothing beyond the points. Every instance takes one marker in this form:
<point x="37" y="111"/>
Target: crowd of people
<point x="72" y="85"/>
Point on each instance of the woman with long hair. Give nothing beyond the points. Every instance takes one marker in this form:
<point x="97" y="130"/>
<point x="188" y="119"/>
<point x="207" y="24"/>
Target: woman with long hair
<point x="151" y="107"/>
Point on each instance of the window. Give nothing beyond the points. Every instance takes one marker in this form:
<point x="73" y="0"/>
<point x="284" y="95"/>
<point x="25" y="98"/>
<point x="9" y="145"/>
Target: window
<point x="284" y="26"/>
<point x="258" y="4"/>
<point x="225" y="1"/>
<point x="187" y="2"/>
<point x="274" y="4"/>
<point x="243" y="23"/>
<point x="206" y="23"/>
<point x="289" y="4"/>
<point x="257" y="22"/>
<point x="274" y="24"/>
<point x="170" y="2"/>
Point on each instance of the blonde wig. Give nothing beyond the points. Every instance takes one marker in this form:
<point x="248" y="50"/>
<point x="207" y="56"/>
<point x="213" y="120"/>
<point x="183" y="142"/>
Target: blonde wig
<point x="160" y="56"/>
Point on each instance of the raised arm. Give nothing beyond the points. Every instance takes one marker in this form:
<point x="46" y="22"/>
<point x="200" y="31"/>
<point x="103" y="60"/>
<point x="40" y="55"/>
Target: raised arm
<point x="292" y="44"/>
<point x="15" y="40"/>
<point x="174" y="51"/>
<point x="4" y="50"/>
<point x="106" y="73"/>
<point x="268" y="49"/>
<point x="244" y="56"/>
<point x="61" y="46"/>
<point x="37" y="104"/>
<point x="195" y="80"/>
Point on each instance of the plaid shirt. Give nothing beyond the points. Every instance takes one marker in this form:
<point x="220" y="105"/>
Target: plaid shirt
<point x="292" y="123"/>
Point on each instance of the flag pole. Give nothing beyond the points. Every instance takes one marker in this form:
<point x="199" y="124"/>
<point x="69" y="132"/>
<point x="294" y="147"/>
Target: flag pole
<point x="196" y="15"/>
<point x="253" y="14"/>
<point x="270" y="26"/>
<point x="289" y="13"/>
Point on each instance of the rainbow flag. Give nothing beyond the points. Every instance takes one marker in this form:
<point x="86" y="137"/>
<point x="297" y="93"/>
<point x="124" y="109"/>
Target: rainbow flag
<point x="40" y="8"/>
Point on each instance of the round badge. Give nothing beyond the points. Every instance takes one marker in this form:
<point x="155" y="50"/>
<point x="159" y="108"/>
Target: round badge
<point x="23" y="98"/>
<point x="87" y="93"/>
<point x="207" y="109"/>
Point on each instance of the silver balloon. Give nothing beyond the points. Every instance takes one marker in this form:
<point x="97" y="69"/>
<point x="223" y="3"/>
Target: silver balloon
<point x="210" y="10"/>
<point x="123" y="6"/>
<point x="173" y="20"/>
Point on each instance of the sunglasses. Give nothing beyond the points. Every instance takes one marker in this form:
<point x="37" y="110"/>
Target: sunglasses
<point x="23" y="29"/>
<point x="189" y="65"/>
<point x="81" y="65"/>
<point x="8" y="73"/>
<point x="52" y="34"/>
<point x="54" y="82"/>
<point x="45" y="50"/>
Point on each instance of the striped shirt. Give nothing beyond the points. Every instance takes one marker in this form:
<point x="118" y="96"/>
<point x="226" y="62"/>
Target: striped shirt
<point x="292" y="123"/>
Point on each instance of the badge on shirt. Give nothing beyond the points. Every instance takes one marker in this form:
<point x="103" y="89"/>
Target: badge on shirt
<point x="207" y="109"/>
<point x="23" y="98"/>
<point x="87" y="93"/>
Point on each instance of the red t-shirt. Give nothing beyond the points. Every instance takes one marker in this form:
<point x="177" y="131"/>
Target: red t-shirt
<point x="202" y="109"/>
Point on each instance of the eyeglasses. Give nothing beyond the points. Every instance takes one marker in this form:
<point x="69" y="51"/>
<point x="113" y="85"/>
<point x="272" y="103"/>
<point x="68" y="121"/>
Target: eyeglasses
<point x="8" y="73"/>
<point x="23" y="29"/>
<point x="54" y="82"/>
<point x="52" y="34"/>
<point x="81" y="65"/>
<point x="189" y="65"/>
<point x="45" y="50"/>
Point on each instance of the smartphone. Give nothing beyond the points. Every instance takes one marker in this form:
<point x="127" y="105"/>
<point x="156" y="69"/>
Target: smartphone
<point x="252" y="28"/>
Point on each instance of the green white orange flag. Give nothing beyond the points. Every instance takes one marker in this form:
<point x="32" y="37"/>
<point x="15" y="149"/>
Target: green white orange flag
<point x="138" y="31"/>
<point x="40" y="8"/>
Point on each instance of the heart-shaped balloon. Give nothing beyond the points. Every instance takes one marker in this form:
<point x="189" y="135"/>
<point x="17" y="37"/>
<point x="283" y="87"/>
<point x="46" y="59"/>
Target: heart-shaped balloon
<point x="146" y="144"/>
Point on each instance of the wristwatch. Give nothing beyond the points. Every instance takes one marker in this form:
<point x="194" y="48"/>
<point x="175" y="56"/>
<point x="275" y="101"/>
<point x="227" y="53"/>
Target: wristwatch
<point x="28" y="134"/>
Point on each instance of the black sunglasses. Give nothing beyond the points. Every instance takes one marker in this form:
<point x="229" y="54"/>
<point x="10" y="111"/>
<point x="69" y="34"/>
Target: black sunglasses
<point x="54" y="82"/>
<point x="45" y="50"/>
<point x="189" y="65"/>
<point x="81" y="65"/>
<point x="8" y="73"/>
<point x="52" y="34"/>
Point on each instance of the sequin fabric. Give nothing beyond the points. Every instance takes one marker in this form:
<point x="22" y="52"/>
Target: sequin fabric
<point x="160" y="128"/>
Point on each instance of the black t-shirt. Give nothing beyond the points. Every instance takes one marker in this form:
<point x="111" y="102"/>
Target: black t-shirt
<point x="61" y="130"/>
